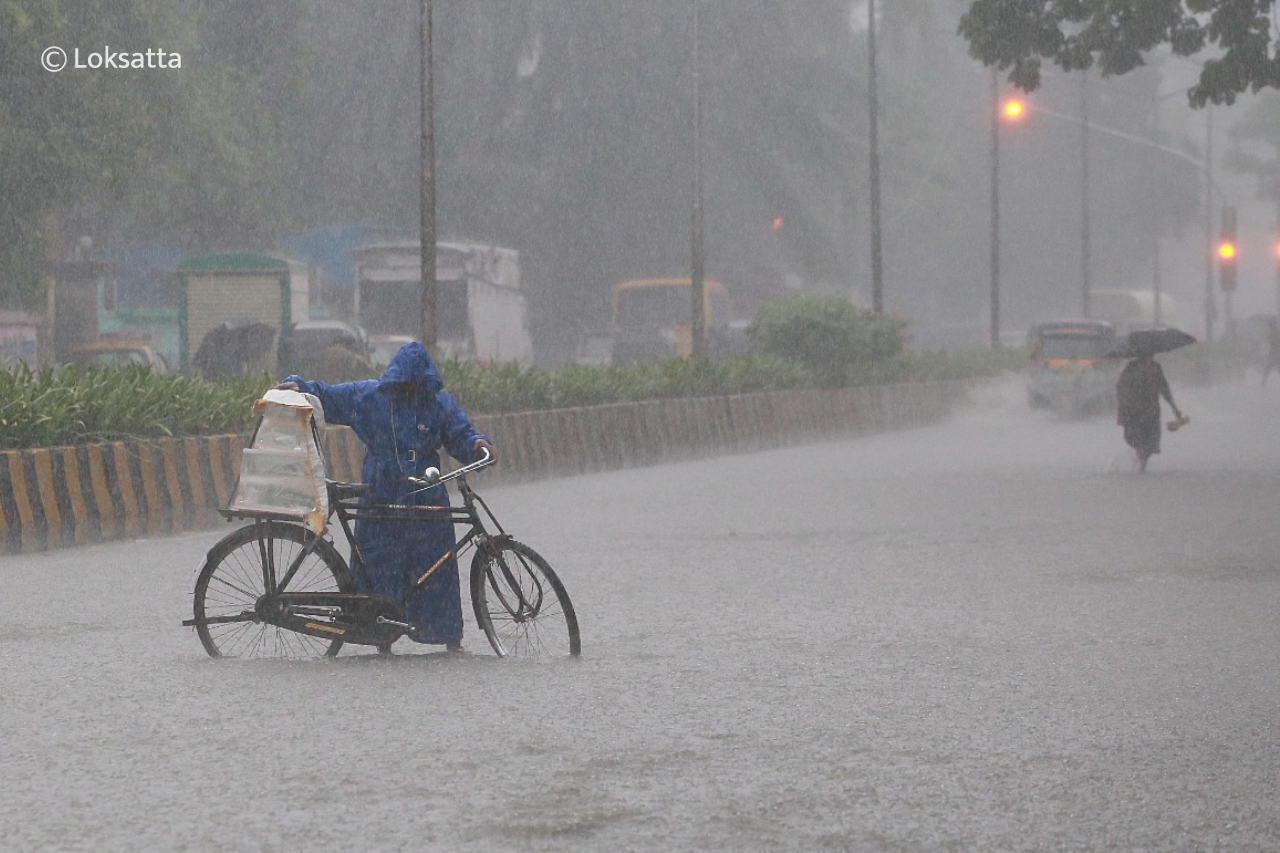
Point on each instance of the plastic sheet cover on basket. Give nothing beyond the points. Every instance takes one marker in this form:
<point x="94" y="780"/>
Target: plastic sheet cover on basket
<point x="282" y="471"/>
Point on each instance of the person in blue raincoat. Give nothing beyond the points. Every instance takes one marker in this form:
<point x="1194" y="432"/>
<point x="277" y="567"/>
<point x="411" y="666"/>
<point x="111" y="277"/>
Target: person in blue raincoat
<point x="404" y="419"/>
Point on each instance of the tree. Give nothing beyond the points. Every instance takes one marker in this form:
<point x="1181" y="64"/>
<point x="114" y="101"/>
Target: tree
<point x="191" y="155"/>
<point x="1257" y="147"/>
<point x="1016" y="35"/>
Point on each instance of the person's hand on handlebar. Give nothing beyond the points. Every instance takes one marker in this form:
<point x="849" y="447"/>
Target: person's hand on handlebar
<point x="480" y="445"/>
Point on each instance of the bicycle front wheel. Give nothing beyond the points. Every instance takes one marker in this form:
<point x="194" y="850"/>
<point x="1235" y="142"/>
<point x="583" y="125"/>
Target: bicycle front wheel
<point x="520" y="603"/>
<point x="265" y="557"/>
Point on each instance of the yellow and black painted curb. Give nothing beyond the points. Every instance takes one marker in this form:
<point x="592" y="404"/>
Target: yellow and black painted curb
<point x="63" y="496"/>
<point x="58" y="496"/>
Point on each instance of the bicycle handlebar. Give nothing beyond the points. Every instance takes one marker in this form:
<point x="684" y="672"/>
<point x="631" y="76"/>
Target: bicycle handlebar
<point x="432" y="476"/>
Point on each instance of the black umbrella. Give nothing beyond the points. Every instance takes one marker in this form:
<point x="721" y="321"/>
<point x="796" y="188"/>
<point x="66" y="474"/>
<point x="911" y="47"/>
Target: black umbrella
<point x="229" y="345"/>
<point x="1150" y="342"/>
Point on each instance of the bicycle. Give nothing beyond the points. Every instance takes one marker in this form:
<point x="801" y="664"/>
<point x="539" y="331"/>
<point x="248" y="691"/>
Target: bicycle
<point x="276" y="589"/>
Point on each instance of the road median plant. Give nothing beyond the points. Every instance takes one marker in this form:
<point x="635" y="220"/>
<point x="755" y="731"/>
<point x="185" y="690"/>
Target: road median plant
<point x="48" y="408"/>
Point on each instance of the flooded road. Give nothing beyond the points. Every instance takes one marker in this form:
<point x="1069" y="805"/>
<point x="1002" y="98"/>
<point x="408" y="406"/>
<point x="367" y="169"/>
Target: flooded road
<point x="983" y="635"/>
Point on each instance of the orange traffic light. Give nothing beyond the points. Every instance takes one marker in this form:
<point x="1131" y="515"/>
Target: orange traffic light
<point x="1013" y="109"/>
<point x="1227" y="265"/>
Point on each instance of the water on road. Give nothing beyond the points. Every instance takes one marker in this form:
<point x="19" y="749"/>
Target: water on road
<point x="988" y="634"/>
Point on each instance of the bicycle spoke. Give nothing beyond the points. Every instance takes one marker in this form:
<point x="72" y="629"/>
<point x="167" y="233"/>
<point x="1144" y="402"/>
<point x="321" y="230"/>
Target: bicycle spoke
<point x="521" y="605"/>
<point x="237" y="575"/>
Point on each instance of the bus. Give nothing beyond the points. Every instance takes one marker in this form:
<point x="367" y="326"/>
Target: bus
<point x="651" y="318"/>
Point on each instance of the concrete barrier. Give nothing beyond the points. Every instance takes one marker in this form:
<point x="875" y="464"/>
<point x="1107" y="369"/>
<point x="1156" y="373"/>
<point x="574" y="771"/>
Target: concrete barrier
<point x="65" y="496"/>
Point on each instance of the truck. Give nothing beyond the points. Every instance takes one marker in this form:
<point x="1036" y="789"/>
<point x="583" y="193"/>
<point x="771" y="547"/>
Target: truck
<point x="481" y="311"/>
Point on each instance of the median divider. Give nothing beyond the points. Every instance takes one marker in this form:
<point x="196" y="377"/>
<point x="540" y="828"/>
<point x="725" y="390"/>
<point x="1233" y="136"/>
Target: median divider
<point x="66" y="496"/>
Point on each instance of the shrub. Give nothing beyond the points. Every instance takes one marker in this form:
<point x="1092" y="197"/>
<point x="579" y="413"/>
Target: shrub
<point x="826" y="334"/>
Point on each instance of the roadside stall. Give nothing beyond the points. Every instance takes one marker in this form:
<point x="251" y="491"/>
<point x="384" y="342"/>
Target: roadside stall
<point x="221" y="292"/>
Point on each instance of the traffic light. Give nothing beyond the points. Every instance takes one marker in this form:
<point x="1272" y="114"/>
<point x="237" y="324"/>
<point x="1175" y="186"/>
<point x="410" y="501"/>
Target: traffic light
<point x="1227" y="251"/>
<point x="1013" y="109"/>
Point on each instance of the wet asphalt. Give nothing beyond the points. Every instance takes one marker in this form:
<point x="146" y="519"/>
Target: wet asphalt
<point x="986" y="635"/>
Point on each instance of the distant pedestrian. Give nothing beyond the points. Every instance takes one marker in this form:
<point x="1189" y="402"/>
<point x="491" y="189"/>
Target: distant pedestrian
<point x="1273" y="349"/>
<point x="1138" y="391"/>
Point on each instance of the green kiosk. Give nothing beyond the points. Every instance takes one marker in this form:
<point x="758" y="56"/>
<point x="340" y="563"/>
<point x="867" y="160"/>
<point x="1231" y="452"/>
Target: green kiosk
<point x="236" y="305"/>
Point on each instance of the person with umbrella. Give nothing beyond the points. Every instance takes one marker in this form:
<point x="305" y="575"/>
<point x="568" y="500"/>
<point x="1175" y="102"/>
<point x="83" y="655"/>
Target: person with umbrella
<point x="1141" y="385"/>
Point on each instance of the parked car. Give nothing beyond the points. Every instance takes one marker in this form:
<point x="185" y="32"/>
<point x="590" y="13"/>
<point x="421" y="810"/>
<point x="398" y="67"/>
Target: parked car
<point x="328" y="350"/>
<point x="383" y="347"/>
<point x="116" y="352"/>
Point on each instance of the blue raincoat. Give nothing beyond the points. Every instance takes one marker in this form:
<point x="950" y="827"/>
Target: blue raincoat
<point x="404" y="419"/>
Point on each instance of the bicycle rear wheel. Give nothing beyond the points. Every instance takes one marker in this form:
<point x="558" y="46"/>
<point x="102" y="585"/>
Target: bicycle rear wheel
<point x="520" y="603"/>
<point x="261" y="558"/>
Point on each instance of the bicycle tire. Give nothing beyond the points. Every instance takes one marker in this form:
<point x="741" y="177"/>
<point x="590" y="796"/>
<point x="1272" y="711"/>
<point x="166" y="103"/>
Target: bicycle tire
<point x="232" y="579"/>
<point x="520" y="603"/>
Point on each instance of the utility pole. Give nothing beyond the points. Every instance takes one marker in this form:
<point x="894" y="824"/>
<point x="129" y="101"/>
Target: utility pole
<point x="877" y="256"/>
<point x="1086" y="251"/>
<point x="427" y="196"/>
<point x="1210" y="303"/>
<point x="698" y="346"/>
<point x="995" y="210"/>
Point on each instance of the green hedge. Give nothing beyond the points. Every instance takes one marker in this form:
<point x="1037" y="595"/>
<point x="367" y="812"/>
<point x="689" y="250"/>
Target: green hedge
<point x="46" y="408"/>
<point x="495" y="390"/>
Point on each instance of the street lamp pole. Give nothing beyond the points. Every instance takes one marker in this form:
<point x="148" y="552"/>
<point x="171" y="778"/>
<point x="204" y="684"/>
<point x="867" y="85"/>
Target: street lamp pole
<point x="995" y="211"/>
<point x="1210" y="305"/>
<point x="427" y="194"/>
<point x="873" y="130"/>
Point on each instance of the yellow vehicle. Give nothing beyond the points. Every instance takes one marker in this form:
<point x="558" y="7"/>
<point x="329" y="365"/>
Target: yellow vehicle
<point x="652" y="317"/>
<point x="1070" y="373"/>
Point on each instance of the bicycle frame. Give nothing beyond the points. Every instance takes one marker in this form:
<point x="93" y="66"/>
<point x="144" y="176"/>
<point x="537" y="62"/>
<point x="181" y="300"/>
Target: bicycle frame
<point x="345" y="505"/>
<point x="349" y="510"/>
<point x="510" y="582"/>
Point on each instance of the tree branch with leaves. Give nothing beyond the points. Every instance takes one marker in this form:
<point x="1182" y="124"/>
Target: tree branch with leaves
<point x="1236" y="37"/>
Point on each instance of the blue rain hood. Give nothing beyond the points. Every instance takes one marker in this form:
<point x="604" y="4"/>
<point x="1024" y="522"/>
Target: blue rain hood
<point x="412" y="363"/>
